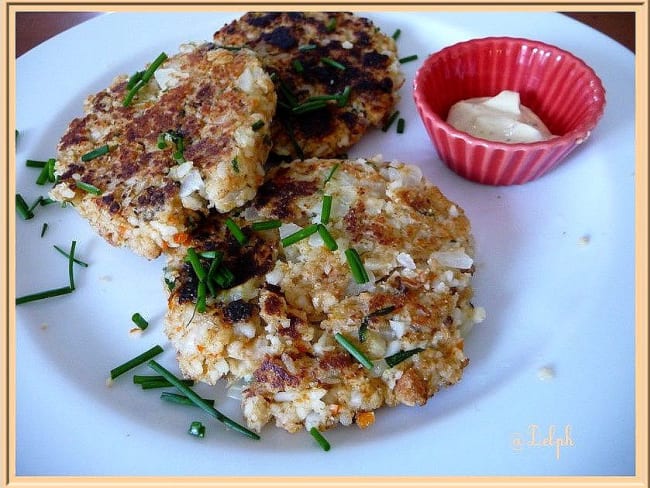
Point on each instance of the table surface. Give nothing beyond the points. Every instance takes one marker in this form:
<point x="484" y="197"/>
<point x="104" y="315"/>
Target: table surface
<point x="32" y="28"/>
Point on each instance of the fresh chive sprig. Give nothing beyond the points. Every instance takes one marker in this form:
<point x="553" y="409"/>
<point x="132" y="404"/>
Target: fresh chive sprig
<point x="408" y="59"/>
<point x="354" y="352"/>
<point x="401" y="356"/>
<point x="329" y="241"/>
<point x="198" y="401"/>
<point x="356" y="266"/>
<point x="299" y="235"/>
<point x="318" y="437"/>
<point x="236" y="231"/>
<point x="181" y="399"/>
<point x="140" y="322"/>
<point x="266" y="224"/>
<point x="95" y="153"/>
<point x="136" y="361"/>
<point x="22" y="208"/>
<point x="54" y="292"/>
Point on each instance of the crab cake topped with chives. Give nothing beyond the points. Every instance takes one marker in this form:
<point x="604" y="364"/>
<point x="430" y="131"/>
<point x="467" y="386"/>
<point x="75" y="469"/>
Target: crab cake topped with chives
<point x="342" y="287"/>
<point x="155" y="151"/>
<point x="336" y="75"/>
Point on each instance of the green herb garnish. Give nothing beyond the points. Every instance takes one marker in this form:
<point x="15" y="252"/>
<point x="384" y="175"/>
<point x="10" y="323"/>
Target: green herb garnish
<point x="390" y="121"/>
<point x="67" y="255"/>
<point x="139" y="321"/>
<point x="55" y="292"/>
<point x="236" y="231"/>
<point x="332" y="63"/>
<point x="87" y="187"/>
<point x="181" y="399"/>
<point x="400" y="125"/>
<point x="299" y="235"/>
<point x="329" y="241"/>
<point x="326" y="209"/>
<point x="401" y="356"/>
<point x="407" y="59"/>
<point x="21" y="207"/>
<point x="396" y="34"/>
<point x="354" y="352"/>
<point x="198" y="401"/>
<point x="356" y="266"/>
<point x="257" y="125"/>
<point x="95" y="153"/>
<point x="266" y="224"/>
<point x="322" y="442"/>
<point x="136" y="361"/>
<point x="197" y="429"/>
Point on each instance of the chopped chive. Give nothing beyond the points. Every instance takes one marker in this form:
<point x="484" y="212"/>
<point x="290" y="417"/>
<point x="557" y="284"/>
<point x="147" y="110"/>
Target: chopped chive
<point x="43" y="229"/>
<point x="162" y="141"/>
<point x="32" y="163"/>
<point x="46" y="201"/>
<point x="358" y="355"/>
<point x="329" y="241"/>
<point x="236" y="231"/>
<point x="181" y="399"/>
<point x="197" y="429"/>
<point x="356" y="266"/>
<point x="139" y="379"/>
<point x="209" y="254"/>
<point x="292" y="137"/>
<point x="401" y="356"/>
<point x="131" y="93"/>
<point x="344" y="97"/>
<point x="407" y="59"/>
<point x="136" y="361"/>
<point x="71" y="264"/>
<point x="326" y="209"/>
<point x="235" y="164"/>
<point x="78" y="261"/>
<point x="22" y="208"/>
<point x="139" y="321"/>
<point x="266" y="224"/>
<point x="390" y="121"/>
<point x="55" y="292"/>
<point x="257" y="125"/>
<point x="201" y="297"/>
<point x="309" y="106"/>
<point x="141" y="78"/>
<point x="332" y="63"/>
<point x="146" y="76"/>
<point x="133" y="80"/>
<point x="47" y="172"/>
<point x="396" y="34"/>
<point x="363" y="330"/>
<point x="224" y="277"/>
<point x="400" y="125"/>
<point x="331" y="24"/>
<point x="297" y="65"/>
<point x="193" y="258"/>
<point x="322" y="442"/>
<point x="87" y="187"/>
<point x="307" y="47"/>
<point x="162" y="383"/>
<point x="231" y="48"/>
<point x="382" y="311"/>
<point x="331" y="173"/>
<point x="198" y="401"/>
<point x="95" y="153"/>
<point x="299" y="235"/>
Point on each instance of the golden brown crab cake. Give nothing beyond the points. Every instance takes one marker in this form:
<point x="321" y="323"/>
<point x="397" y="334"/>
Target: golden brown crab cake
<point x="416" y="249"/>
<point x="314" y="54"/>
<point x="195" y="136"/>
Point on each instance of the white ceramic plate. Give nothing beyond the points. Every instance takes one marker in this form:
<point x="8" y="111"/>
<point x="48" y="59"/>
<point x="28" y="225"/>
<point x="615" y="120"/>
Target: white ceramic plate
<point x="555" y="271"/>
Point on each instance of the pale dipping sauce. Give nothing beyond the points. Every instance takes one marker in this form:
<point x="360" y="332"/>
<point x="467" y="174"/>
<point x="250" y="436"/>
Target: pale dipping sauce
<point x="501" y="118"/>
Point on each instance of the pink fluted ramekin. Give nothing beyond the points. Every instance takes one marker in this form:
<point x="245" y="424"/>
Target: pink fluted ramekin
<point x="561" y="89"/>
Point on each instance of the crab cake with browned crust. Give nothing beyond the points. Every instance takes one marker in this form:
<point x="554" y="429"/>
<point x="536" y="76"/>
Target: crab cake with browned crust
<point x="195" y="136"/>
<point x="281" y="331"/>
<point x="336" y="74"/>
